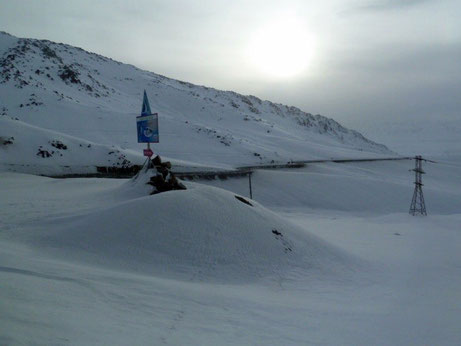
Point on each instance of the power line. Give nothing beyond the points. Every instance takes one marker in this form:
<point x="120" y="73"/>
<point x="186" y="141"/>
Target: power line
<point x="418" y="206"/>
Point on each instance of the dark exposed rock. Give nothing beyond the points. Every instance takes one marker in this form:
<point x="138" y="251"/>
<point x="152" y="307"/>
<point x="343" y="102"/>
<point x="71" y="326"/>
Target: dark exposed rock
<point x="50" y="53"/>
<point x="68" y="73"/>
<point x="6" y="140"/>
<point x="58" y="145"/>
<point x="157" y="161"/>
<point x="44" y="153"/>
<point x="163" y="180"/>
<point x="163" y="171"/>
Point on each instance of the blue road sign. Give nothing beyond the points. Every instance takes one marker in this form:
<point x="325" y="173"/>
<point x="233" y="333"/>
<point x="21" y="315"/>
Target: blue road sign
<point x="147" y="123"/>
<point x="147" y="128"/>
<point x="145" y="105"/>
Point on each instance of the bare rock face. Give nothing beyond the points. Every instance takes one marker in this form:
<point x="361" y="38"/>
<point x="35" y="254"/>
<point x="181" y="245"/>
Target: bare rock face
<point x="164" y="179"/>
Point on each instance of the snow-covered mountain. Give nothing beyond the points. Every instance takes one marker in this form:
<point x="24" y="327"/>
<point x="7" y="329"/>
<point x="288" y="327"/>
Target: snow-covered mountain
<point x="54" y="93"/>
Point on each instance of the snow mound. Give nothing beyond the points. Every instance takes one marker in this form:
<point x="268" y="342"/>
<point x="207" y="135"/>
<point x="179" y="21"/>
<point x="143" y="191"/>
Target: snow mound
<point x="200" y="234"/>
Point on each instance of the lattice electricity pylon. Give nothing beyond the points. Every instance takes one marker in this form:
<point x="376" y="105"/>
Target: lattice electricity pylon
<point x="417" y="203"/>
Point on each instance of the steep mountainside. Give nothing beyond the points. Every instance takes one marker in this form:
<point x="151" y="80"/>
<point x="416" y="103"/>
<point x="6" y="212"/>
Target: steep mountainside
<point x="94" y="99"/>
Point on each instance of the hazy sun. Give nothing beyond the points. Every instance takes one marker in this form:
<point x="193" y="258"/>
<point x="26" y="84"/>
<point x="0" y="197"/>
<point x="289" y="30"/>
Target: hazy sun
<point x="282" y="48"/>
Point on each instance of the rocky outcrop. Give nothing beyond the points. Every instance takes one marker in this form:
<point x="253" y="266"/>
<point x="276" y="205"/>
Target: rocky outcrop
<point x="163" y="179"/>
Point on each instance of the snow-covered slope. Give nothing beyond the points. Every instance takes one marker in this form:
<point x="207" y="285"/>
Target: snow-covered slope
<point x="73" y="92"/>
<point x="32" y="149"/>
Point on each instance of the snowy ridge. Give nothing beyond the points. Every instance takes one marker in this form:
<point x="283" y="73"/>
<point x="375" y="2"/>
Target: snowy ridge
<point x="66" y="89"/>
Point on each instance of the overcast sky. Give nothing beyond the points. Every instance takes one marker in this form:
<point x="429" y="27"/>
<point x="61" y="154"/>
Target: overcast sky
<point x="356" y="61"/>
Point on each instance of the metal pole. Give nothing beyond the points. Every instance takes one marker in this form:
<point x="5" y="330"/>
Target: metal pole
<point x="249" y="183"/>
<point x="148" y="164"/>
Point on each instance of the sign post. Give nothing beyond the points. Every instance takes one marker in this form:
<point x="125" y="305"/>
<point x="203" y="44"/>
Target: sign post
<point x="148" y="152"/>
<point x="147" y="126"/>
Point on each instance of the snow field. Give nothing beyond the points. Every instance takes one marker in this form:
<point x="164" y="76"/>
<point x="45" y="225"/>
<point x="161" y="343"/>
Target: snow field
<point x="356" y="188"/>
<point x="71" y="271"/>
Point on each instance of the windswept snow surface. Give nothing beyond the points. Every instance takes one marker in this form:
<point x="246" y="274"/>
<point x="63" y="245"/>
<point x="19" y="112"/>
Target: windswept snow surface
<point x="98" y="261"/>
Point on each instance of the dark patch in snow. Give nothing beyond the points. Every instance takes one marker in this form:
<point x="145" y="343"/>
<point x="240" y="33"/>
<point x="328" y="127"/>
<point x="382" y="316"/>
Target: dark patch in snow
<point x="6" y="140"/>
<point x="277" y="232"/>
<point x="287" y="246"/>
<point x="243" y="200"/>
<point x="58" y="144"/>
<point x="69" y="74"/>
<point x="44" y="153"/>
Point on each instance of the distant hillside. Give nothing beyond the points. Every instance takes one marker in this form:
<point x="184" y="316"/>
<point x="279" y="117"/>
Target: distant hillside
<point x="95" y="99"/>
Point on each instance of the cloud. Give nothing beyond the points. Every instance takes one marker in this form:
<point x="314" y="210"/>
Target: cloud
<point x="384" y="83"/>
<point x="387" y="5"/>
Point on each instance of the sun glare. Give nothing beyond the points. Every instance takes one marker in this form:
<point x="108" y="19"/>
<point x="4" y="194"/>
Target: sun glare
<point x="282" y="48"/>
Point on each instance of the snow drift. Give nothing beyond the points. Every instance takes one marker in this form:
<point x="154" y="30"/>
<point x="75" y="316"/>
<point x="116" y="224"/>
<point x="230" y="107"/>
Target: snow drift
<point x="203" y="233"/>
